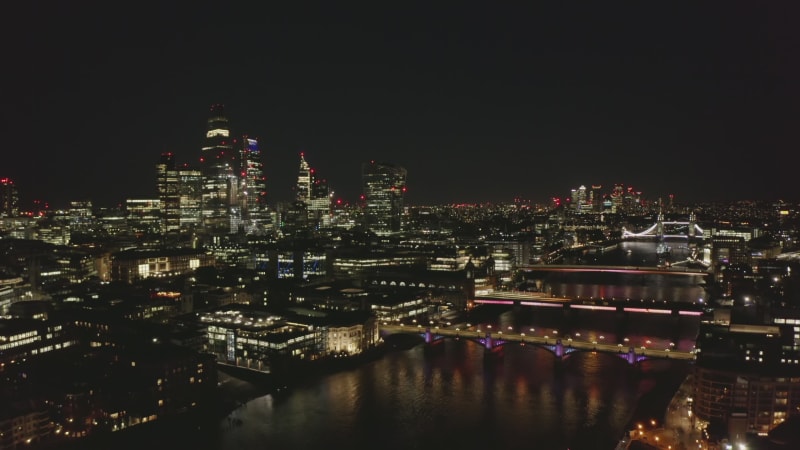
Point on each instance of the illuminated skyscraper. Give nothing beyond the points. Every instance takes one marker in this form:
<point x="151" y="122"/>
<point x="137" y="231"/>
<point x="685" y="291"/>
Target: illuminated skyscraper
<point x="319" y="207"/>
<point x="190" y="187"/>
<point x="303" y="187"/>
<point x="168" y="193"/>
<point x="384" y="188"/>
<point x="253" y="187"/>
<point x="9" y="198"/>
<point x="313" y="192"/>
<point x="180" y="196"/>
<point x="218" y="165"/>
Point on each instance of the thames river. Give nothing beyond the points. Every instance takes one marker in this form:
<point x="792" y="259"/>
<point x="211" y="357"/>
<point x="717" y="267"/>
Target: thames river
<point x="452" y="398"/>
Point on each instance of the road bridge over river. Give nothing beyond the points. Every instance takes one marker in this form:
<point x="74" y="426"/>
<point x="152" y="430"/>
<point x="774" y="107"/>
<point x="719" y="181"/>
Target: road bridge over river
<point x="493" y="342"/>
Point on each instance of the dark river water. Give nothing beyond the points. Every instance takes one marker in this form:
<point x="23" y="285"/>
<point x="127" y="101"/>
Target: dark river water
<point x="454" y="399"/>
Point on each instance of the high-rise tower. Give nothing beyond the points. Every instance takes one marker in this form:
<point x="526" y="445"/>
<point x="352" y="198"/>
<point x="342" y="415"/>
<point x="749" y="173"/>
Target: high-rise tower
<point x="218" y="166"/>
<point x="253" y="186"/>
<point x="384" y="188"/>
<point x="313" y="193"/>
<point x="168" y="193"/>
<point x="303" y="187"/>
<point x="180" y="196"/>
<point x="597" y="198"/>
<point x="319" y="207"/>
<point x="9" y="198"/>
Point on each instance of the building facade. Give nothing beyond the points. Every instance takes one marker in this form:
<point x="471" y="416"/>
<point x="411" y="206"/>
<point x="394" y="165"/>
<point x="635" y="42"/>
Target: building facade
<point x="218" y="165"/>
<point x="384" y="187"/>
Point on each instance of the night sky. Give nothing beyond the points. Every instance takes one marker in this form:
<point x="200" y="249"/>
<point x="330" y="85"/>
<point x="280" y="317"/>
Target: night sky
<point x="480" y="101"/>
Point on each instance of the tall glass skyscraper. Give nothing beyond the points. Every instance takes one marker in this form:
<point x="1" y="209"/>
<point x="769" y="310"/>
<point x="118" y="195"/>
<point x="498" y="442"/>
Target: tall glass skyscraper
<point x="384" y="188"/>
<point x="180" y="196"/>
<point x="303" y="188"/>
<point x="253" y="187"/>
<point x="313" y="193"/>
<point x="218" y="165"/>
<point x="168" y="194"/>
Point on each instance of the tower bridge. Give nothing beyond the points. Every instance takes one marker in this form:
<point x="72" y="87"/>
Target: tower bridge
<point x="657" y="229"/>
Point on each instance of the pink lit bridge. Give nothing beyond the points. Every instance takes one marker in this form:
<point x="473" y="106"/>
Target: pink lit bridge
<point x="633" y="270"/>
<point x="493" y="343"/>
<point x="635" y="306"/>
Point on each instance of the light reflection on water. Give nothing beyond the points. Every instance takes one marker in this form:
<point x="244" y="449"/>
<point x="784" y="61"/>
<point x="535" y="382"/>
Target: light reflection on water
<point x="453" y="399"/>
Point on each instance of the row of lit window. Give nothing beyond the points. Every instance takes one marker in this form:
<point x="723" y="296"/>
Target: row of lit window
<point x="48" y="348"/>
<point x="20" y="336"/>
<point x="788" y="321"/>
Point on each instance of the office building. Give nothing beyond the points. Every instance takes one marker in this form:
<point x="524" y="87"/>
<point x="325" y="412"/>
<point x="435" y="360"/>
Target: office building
<point x="312" y="198"/>
<point x="253" y="188"/>
<point x="9" y="198"/>
<point x="303" y="188"/>
<point x="384" y="187"/>
<point x="168" y="193"/>
<point x="218" y="164"/>
<point x="746" y="377"/>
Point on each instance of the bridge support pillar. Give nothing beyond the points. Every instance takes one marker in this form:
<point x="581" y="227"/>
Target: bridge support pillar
<point x="491" y="352"/>
<point x="432" y="341"/>
<point x="631" y="358"/>
<point x="559" y="349"/>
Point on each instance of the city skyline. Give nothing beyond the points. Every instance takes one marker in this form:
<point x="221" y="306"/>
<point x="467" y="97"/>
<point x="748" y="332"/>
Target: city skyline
<point x="479" y="104"/>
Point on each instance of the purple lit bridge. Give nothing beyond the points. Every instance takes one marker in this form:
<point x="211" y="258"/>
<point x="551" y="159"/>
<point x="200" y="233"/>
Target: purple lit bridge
<point x="493" y="343"/>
